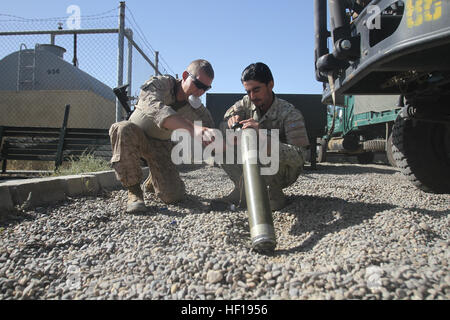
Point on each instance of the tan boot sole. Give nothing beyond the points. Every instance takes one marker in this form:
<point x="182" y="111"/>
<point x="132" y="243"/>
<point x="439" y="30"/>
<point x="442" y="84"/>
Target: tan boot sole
<point x="134" y="207"/>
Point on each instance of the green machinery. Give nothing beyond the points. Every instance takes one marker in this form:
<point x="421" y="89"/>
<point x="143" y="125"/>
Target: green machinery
<point x="362" y="128"/>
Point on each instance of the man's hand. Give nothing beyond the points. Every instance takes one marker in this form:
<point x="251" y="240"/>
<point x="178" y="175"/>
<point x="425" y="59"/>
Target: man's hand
<point x="250" y="123"/>
<point x="208" y="136"/>
<point x="233" y="120"/>
<point x="204" y="135"/>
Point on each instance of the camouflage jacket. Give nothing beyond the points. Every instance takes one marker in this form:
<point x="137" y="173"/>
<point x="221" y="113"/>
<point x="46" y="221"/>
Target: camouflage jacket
<point x="281" y="115"/>
<point x="157" y="101"/>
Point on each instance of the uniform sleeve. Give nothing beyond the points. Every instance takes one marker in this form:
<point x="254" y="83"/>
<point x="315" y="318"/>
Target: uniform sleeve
<point x="201" y="114"/>
<point x="295" y="129"/>
<point x="205" y="116"/>
<point x="238" y="109"/>
<point x="151" y="99"/>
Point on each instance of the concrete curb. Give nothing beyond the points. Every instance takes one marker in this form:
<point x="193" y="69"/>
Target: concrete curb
<point x="41" y="191"/>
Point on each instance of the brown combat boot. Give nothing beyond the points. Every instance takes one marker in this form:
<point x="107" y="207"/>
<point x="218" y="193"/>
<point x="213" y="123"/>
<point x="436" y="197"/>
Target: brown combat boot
<point x="277" y="198"/>
<point x="135" y="200"/>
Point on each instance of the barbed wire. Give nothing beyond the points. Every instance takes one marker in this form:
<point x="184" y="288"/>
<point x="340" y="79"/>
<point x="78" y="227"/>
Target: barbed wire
<point x="88" y="17"/>
<point x="146" y="46"/>
<point x="93" y="21"/>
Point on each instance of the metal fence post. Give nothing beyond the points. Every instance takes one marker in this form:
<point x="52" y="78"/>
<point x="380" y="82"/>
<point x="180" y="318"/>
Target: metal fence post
<point x="130" y="61"/>
<point x="62" y="136"/>
<point x="157" y="63"/>
<point x="120" y="57"/>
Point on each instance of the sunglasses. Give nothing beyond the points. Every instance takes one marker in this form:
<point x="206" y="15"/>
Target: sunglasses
<point x="200" y="85"/>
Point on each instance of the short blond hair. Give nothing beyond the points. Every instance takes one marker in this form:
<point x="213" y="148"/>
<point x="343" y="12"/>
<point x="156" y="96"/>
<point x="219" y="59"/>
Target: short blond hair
<point x="201" y="64"/>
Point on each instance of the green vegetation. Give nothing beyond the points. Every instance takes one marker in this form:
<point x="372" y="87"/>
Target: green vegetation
<point x="83" y="164"/>
<point x="22" y="165"/>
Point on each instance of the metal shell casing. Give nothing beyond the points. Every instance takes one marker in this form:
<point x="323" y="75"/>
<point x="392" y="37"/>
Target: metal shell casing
<point x="259" y="213"/>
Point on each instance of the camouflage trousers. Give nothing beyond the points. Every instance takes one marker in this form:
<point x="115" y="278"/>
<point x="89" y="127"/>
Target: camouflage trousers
<point x="130" y="145"/>
<point x="286" y="176"/>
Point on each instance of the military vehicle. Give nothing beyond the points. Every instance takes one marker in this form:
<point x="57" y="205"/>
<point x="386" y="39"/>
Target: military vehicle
<point x="388" y="47"/>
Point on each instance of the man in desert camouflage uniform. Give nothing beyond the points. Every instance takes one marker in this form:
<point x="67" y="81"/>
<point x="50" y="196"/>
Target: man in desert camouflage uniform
<point x="163" y="107"/>
<point x="261" y="109"/>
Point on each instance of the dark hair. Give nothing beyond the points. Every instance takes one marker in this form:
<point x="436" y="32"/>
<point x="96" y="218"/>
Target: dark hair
<point x="257" y="71"/>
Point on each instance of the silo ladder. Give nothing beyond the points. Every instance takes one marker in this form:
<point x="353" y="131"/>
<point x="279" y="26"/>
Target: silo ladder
<point x="25" y="78"/>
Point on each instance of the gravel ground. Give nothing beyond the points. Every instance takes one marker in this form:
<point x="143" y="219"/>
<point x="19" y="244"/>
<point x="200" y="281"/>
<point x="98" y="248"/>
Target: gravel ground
<point x="349" y="232"/>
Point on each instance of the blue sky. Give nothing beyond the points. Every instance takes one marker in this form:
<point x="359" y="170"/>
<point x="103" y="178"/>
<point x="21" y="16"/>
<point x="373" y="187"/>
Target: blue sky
<point x="230" y="34"/>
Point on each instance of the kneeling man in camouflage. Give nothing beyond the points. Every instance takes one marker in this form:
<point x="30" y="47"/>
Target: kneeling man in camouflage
<point x="165" y="104"/>
<point x="262" y="109"/>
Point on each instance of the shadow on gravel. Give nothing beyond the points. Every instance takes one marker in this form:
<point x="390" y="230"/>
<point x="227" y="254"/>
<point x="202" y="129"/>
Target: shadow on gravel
<point x="433" y="214"/>
<point x="12" y="218"/>
<point x="350" y="169"/>
<point x="195" y="205"/>
<point x="154" y="210"/>
<point x="320" y="216"/>
<point x="183" y="168"/>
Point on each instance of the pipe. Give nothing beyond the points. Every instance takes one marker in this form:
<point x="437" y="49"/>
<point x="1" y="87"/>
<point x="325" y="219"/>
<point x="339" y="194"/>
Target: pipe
<point x="75" y="49"/>
<point x="347" y="144"/>
<point x="321" y="34"/>
<point x="129" y="33"/>
<point x="59" y="32"/>
<point x="120" y="56"/>
<point x="338" y="20"/>
<point x="146" y="58"/>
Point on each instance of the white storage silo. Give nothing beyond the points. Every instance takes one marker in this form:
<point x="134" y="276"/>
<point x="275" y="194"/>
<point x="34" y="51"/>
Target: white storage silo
<point x="36" y="85"/>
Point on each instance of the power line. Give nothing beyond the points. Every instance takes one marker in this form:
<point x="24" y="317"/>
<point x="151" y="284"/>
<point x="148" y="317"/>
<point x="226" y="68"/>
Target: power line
<point x="146" y="42"/>
<point x="138" y="28"/>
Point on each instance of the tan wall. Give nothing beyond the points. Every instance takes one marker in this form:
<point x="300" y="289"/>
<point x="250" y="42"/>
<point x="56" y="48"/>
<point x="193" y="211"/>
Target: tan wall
<point x="46" y="109"/>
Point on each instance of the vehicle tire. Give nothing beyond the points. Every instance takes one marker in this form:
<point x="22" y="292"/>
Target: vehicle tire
<point x="422" y="152"/>
<point x="389" y="153"/>
<point x="321" y="151"/>
<point x="365" y="158"/>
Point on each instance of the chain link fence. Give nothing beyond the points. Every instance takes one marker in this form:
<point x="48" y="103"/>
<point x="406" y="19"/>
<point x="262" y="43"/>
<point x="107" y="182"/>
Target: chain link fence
<point x="46" y="64"/>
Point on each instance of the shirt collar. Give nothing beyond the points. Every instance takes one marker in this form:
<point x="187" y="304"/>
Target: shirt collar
<point x="271" y="111"/>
